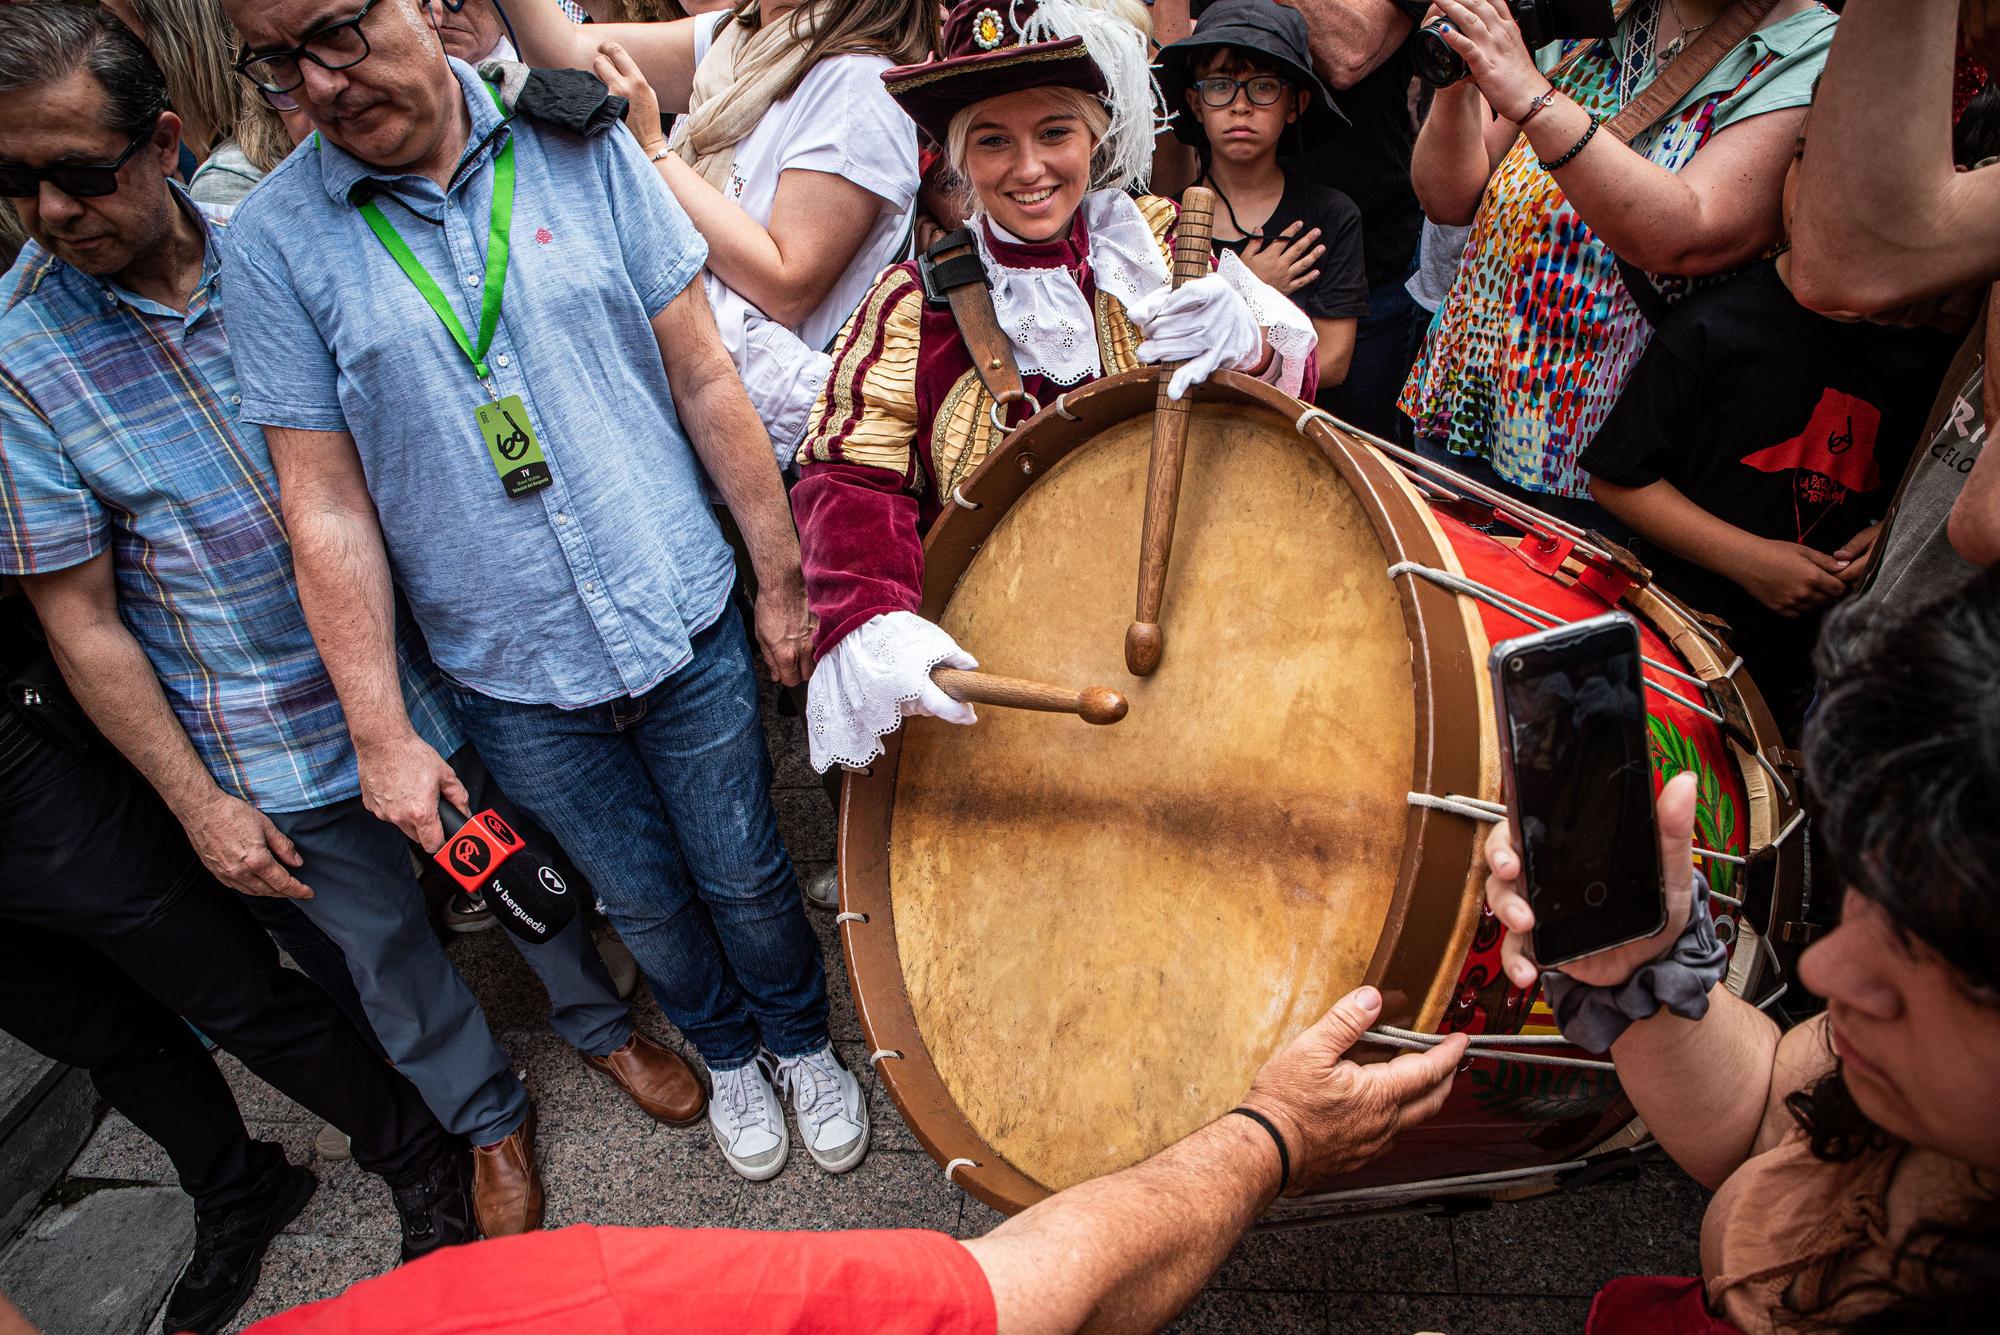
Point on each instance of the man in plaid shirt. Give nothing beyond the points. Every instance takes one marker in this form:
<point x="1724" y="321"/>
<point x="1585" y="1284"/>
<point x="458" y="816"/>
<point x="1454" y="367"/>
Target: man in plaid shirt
<point x="143" y="517"/>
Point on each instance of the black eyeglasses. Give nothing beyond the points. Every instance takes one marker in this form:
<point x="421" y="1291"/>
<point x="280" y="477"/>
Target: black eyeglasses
<point x="79" y="181"/>
<point x="337" y="46"/>
<point x="1264" y="90"/>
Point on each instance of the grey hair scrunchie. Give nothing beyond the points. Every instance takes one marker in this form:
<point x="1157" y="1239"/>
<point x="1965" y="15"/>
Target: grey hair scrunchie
<point x="1594" y="1017"/>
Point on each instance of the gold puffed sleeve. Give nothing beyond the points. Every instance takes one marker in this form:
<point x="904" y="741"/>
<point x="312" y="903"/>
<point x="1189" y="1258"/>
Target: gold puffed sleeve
<point x="1117" y="339"/>
<point x="1159" y="214"/>
<point x="867" y="413"/>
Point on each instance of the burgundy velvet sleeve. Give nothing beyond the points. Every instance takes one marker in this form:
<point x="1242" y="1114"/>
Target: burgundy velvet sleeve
<point x="858" y="545"/>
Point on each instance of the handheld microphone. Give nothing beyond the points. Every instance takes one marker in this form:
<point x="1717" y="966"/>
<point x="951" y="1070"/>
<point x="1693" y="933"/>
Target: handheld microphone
<point x="519" y="881"/>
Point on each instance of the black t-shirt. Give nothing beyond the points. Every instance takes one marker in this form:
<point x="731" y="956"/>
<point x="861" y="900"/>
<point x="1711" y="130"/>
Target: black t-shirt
<point x="1778" y="420"/>
<point x="1341" y="290"/>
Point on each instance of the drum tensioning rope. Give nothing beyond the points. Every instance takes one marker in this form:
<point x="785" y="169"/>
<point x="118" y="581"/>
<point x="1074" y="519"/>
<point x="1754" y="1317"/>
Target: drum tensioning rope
<point x="1492" y="813"/>
<point x="1524" y="516"/>
<point x="1544" y="620"/>
<point x="1485" y="1047"/>
<point x="1541" y="619"/>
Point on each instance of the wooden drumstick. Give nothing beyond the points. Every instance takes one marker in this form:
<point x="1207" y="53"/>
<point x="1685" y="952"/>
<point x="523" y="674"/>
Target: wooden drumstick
<point x="1092" y="704"/>
<point x="1144" y="640"/>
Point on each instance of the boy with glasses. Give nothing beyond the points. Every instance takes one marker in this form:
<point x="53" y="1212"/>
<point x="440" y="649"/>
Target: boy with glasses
<point x="1243" y="90"/>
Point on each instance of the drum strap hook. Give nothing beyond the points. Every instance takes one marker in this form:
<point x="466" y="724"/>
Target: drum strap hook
<point x="1000" y="423"/>
<point x="957" y="1164"/>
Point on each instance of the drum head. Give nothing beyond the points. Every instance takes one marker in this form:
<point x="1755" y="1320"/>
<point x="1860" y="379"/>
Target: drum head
<point x="1105" y="930"/>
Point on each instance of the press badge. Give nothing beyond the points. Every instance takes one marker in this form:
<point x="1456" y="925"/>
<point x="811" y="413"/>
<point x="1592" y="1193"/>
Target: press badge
<point x="510" y="439"/>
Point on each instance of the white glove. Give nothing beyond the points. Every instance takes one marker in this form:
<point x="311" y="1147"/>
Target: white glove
<point x="878" y="675"/>
<point x="1204" y="323"/>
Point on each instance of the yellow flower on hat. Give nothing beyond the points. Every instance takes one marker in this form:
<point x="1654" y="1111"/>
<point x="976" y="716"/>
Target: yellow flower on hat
<point x="987" y="29"/>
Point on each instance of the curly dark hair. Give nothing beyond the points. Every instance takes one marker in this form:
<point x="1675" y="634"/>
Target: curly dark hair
<point x="1903" y="759"/>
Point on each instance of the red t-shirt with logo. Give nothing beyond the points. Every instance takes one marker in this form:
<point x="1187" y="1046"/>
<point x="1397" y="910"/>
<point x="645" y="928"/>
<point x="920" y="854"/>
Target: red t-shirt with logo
<point x="652" y="1281"/>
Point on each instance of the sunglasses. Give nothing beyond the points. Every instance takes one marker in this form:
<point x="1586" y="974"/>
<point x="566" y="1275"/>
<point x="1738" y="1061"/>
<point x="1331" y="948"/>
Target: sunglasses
<point x="79" y="181"/>
<point x="1264" y="90"/>
<point x="337" y="46"/>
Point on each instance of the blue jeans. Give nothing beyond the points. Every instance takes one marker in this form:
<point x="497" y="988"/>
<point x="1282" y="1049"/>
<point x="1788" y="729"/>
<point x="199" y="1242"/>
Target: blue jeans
<point x="664" y="800"/>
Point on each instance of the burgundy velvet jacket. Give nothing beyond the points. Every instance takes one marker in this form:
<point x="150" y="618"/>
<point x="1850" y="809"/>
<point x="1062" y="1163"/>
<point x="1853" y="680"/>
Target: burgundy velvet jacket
<point x="904" y="419"/>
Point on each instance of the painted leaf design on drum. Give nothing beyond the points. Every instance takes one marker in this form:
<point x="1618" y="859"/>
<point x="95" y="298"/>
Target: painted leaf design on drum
<point x="1714" y="811"/>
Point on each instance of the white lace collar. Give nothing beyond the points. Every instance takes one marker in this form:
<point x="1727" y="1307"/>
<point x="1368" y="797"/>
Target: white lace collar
<point x="1045" y="314"/>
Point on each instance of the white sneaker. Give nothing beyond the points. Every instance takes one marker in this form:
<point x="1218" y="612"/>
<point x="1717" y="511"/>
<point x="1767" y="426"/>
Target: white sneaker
<point x="749" y="1122"/>
<point x="833" y="1116"/>
<point x="823" y="891"/>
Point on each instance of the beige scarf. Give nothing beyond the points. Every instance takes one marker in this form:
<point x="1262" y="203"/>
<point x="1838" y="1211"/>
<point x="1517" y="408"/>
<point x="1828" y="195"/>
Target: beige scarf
<point x="735" y="85"/>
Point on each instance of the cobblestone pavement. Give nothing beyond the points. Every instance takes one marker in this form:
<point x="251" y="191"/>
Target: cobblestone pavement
<point x="1525" y="1267"/>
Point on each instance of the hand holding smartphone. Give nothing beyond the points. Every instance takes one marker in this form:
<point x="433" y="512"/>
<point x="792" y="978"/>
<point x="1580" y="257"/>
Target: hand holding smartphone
<point x="1579" y="785"/>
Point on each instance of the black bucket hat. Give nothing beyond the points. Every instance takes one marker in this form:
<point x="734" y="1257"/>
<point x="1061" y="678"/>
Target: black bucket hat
<point x="1275" y="32"/>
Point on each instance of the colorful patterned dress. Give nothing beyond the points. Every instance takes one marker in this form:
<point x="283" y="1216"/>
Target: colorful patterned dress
<point x="1532" y="346"/>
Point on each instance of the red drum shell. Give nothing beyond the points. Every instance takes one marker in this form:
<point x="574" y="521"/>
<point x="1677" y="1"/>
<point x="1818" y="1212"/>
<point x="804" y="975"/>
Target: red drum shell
<point x="991" y="876"/>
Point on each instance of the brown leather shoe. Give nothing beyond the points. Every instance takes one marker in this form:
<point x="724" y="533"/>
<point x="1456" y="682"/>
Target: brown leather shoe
<point x="506" y="1185"/>
<point x="658" y="1081"/>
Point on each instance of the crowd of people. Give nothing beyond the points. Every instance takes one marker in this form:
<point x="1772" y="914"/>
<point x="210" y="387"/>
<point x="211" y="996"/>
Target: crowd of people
<point x="1710" y="278"/>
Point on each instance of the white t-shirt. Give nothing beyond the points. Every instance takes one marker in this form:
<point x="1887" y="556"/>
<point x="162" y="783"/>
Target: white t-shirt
<point x="842" y="121"/>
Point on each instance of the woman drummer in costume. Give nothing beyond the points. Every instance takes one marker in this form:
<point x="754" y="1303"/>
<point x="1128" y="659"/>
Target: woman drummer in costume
<point x="1047" y="112"/>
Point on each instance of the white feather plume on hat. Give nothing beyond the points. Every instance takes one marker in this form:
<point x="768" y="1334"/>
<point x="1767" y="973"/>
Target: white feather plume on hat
<point x="1138" y="111"/>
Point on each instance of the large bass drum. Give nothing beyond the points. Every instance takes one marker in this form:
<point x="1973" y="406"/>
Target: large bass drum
<point x="1072" y="945"/>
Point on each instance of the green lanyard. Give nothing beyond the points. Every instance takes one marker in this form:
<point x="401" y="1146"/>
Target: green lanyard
<point x="498" y="229"/>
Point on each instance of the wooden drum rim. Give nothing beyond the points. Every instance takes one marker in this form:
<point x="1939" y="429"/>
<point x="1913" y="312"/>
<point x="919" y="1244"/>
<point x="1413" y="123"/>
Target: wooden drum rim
<point x="1426" y="924"/>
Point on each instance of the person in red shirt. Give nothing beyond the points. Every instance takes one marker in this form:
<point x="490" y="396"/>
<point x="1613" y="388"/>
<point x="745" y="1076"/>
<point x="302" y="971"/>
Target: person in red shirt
<point x="1102" y="1252"/>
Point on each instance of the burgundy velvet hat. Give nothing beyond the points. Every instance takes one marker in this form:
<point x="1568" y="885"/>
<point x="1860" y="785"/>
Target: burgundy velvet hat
<point x="981" y="55"/>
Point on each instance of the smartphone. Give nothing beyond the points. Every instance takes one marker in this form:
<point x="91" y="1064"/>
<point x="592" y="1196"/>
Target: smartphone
<point x="1579" y="784"/>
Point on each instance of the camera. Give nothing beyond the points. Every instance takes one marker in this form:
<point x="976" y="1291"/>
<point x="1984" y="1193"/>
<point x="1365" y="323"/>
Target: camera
<point x="1540" y="21"/>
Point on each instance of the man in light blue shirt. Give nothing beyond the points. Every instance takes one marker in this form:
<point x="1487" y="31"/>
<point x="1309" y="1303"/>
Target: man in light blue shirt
<point x="143" y="517"/>
<point x="486" y="371"/>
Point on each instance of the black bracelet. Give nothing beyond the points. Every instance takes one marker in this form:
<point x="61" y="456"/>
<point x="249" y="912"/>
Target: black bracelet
<point x="1284" y="1155"/>
<point x="1574" y="148"/>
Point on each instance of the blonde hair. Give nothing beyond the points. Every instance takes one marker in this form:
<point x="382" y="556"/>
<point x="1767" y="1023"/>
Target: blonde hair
<point x="192" y="42"/>
<point x="646" y="11"/>
<point x="1071" y="101"/>
<point x="12" y="235"/>
<point x="1121" y="48"/>
<point x="261" y="132"/>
